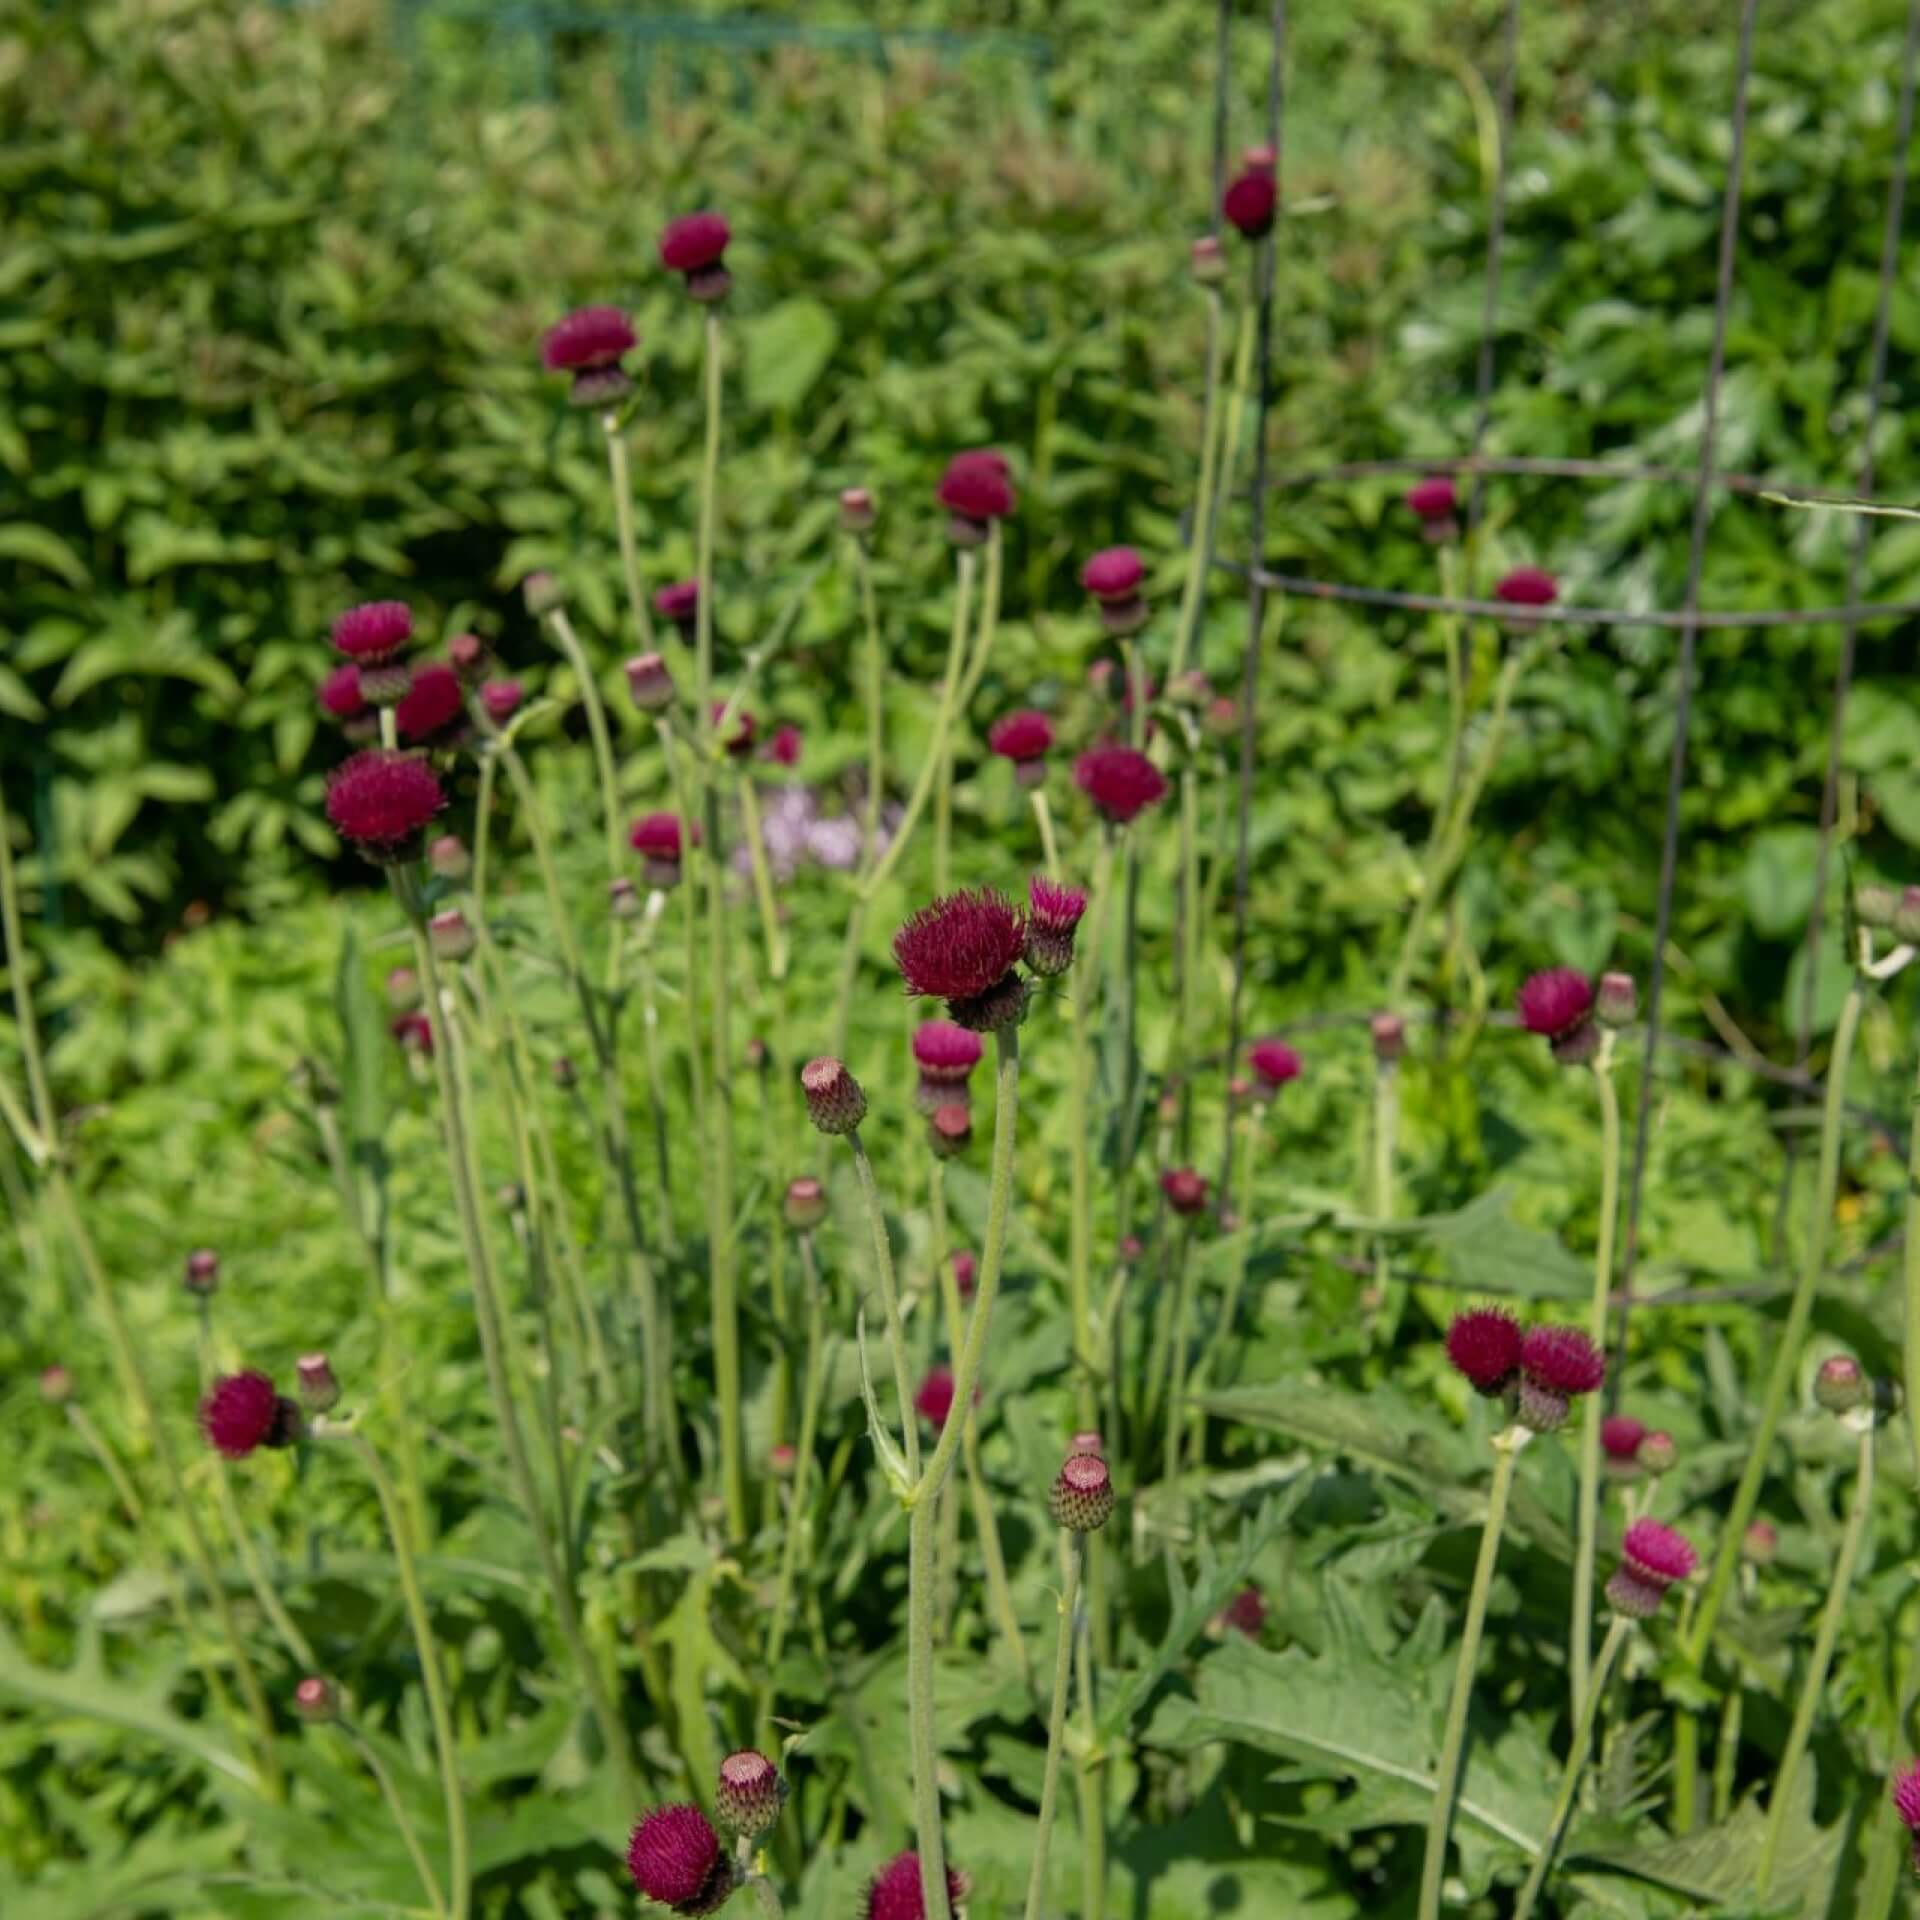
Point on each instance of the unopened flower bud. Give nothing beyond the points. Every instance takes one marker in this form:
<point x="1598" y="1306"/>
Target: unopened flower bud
<point x="56" y="1385"/>
<point x="1841" y="1386"/>
<point x="1130" y="1248"/>
<point x="315" y="1700"/>
<point x="1081" y="1498"/>
<point x="1760" y="1543"/>
<point x="649" y="684"/>
<point x="781" y="1460"/>
<point x="835" y="1103"/>
<point x="756" y="1054"/>
<point x="385" y="683"/>
<point x="964" y="1270"/>
<point x="1615" y="1001"/>
<point x="1191" y="689"/>
<point x="750" y="1794"/>
<point x="449" y="858"/>
<point x="1222" y="718"/>
<point x="502" y="698"/>
<point x="1657" y="1453"/>
<point x="314" y="1380"/>
<point x="623" y="899"/>
<point x="467" y="655"/>
<point x="1209" y="261"/>
<point x="403" y="990"/>
<point x="1874" y="907"/>
<point x="1239" y="1090"/>
<point x="1389" y="1037"/>
<point x="856" y="511"/>
<point x="542" y="593"/>
<point x="451" y="934"/>
<point x="950" y="1130"/>
<point x="806" y="1203"/>
<point x="1085" y="1441"/>
<point x="202" y="1273"/>
<point x="1906" y="915"/>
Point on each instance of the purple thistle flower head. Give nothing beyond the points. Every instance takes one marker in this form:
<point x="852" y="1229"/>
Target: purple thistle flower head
<point x="501" y="698"/>
<point x="679" y="601"/>
<point x="750" y="1794"/>
<point x="374" y="631"/>
<point x="1484" y="1344"/>
<point x="1527" y="587"/>
<point x="1274" y="1063"/>
<point x="1906" y="1795"/>
<point x="589" y="337"/>
<point x="894" y="1893"/>
<point x="432" y="707"/>
<point x="934" y="1401"/>
<point x="1053" y="912"/>
<point x="784" y="748"/>
<point x="242" y="1411"/>
<point x="340" y="693"/>
<point x="976" y="490"/>
<point x="382" y="802"/>
<point x="1620" y="1437"/>
<point x="962" y="948"/>
<point x="1558" y="1004"/>
<point x="1022" y="736"/>
<point x="1658" y="1553"/>
<point x="1250" y="200"/>
<point x="1434" y="498"/>
<point x="1120" y="781"/>
<point x="695" y="245"/>
<point x="675" y="1857"/>
<point x="1185" y="1189"/>
<point x="945" y="1054"/>
<point x="1081" y="1497"/>
<point x="1562" y="1358"/>
<point x="1114" y="573"/>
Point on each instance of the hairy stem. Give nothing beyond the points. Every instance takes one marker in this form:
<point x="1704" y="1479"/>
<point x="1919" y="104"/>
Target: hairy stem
<point x="770" y="929"/>
<point x="889" y="1298"/>
<point x="1070" y="1546"/>
<point x="622" y="481"/>
<point x="397" y="1811"/>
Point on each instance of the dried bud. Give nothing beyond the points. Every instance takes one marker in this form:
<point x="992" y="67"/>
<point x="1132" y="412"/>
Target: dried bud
<point x="314" y="1381"/>
<point x="649" y="684"/>
<point x="1615" y="1002"/>
<point x="856" y="511"/>
<point x="202" y="1274"/>
<point x="806" y="1203"/>
<point x="449" y="858"/>
<point x="1841" y="1386"/>
<point x="1389" y="1037"/>
<point x="835" y="1103"/>
<point x="543" y="594"/>
<point x="451" y="935"/>
<point x="1081" y="1499"/>
<point x="750" y="1794"/>
<point x="315" y="1700"/>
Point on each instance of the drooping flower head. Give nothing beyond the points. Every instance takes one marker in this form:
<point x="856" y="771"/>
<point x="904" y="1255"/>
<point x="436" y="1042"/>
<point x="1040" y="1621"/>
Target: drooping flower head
<point x="679" y="602"/>
<point x="835" y="1101"/>
<point x="1185" y="1189"/>
<point x="1652" y="1558"/>
<point x="382" y="802"/>
<point x="340" y="693"/>
<point x="1053" y="912"/>
<point x="1024" y="737"/>
<point x="1484" y="1344"/>
<point x="1620" y="1438"/>
<point x="1274" y="1063"/>
<point x="373" y="632"/>
<point x="676" y="1858"/>
<point x="1527" y="587"/>
<point x="1558" y="1004"/>
<point x="1434" y="501"/>
<point x="242" y="1411"/>
<point x="432" y="707"/>
<point x="962" y="948"/>
<point x="695" y="245"/>
<point x="1120" y="781"/>
<point x="750" y="1794"/>
<point x="894" y="1893"/>
<point x="1113" y="577"/>
<point x="590" y="344"/>
<point x="1252" y="196"/>
<point x="1557" y="1364"/>
<point x="976" y="490"/>
<point x="1081" y="1497"/>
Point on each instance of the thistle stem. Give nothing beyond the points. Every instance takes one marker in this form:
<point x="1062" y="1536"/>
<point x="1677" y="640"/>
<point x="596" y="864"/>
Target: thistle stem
<point x="1177" y="1356"/>
<point x="1576" y="1765"/>
<point x="576" y="657"/>
<point x="1043" y="817"/>
<point x="1814" y="1684"/>
<point x="1386" y="1118"/>
<point x="622" y="482"/>
<point x="397" y="1810"/>
<point x="889" y="1298"/>
<point x="770" y="929"/>
<point x="1070" y="1548"/>
<point x="1580" y="1644"/>
<point x="798" y="1522"/>
<point x="1910" y="1270"/>
<point x="1090" y="1780"/>
<point x="1200" y="561"/>
<point x="1446" y="1782"/>
<point x="1247" y="1126"/>
<point x="1786" y="1354"/>
<point x="875" y="687"/>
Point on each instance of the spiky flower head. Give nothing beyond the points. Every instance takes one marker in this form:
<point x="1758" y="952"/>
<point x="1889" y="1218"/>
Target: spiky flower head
<point x="1906" y="1796"/>
<point x="1620" y="1438"/>
<point x="242" y="1411"/>
<point x="679" y="602"/>
<point x="1527" y="587"/>
<point x="315" y="1700"/>
<point x="374" y="631"/>
<point x="1652" y="1558"/>
<point x="835" y="1103"/>
<point x="1434" y="499"/>
<point x="1841" y="1385"/>
<point x="649" y="683"/>
<point x="202" y="1272"/>
<point x="895" y="1894"/>
<point x="962" y="948"/>
<point x="1274" y="1063"/>
<point x="676" y="1858"/>
<point x="1557" y="1004"/>
<point x="1081" y="1497"/>
<point x="432" y="706"/>
<point x="452" y="934"/>
<point x="950" y="1129"/>
<point x="382" y="802"/>
<point x="340" y="693"/>
<point x="976" y="490"/>
<point x="587" y="337"/>
<point x="749" y="1796"/>
<point x="1250" y="200"/>
<point x="944" y="1053"/>
<point x="1120" y="781"/>
<point x="1185" y="1189"/>
<point x="695" y="245"/>
<point x="1053" y="912"/>
<point x="1024" y="737"/>
<point x="805" y="1205"/>
<point x="1556" y="1365"/>
<point x="318" y="1387"/>
<point x="1113" y="576"/>
<point x="1484" y="1344"/>
<point x="784" y="748"/>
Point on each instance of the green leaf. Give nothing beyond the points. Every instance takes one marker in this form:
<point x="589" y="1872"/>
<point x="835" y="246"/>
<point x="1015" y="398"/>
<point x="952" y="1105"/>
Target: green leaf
<point x="1488" y="1250"/>
<point x="788" y="348"/>
<point x="41" y="547"/>
<point x="1777" y="881"/>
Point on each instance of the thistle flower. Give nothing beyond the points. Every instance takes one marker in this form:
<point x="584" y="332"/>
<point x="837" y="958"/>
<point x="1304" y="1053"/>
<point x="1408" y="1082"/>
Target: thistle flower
<point x="950" y="1129"/>
<point x="976" y="490"/>
<point x="382" y="802"/>
<point x="649" y="684"/>
<point x="946" y="1056"/>
<point x="1208" y="260"/>
<point x="1652" y="1558"/>
<point x="1760" y="1542"/>
<point x="451" y="934"/>
<point x="1081" y="1497"/>
<point x="242" y="1411"/>
<point x="656" y="838"/>
<point x="783" y="750"/>
<point x="1274" y="1063"/>
<point x="1614" y="1000"/>
<point x="202" y="1273"/>
<point x="962" y="948"/>
<point x="679" y="603"/>
<point x="1389" y="1034"/>
<point x="1558" y="1005"/>
<point x="1620" y="1438"/>
<point x="340" y="693"/>
<point x="1024" y="738"/>
<point x="738" y="743"/>
<point x="467" y="656"/>
<point x="501" y="698"/>
<point x="1841" y="1385"/>
<point x="1053" y="912"/>
<point x="675" y="1857"/>
<point x="835" y="1103"/>
<point x="314" y="1380"/>
<point x="1113" y="577"/>
<point x="56" y="1385"/>
<point x="894" y="1893"/>
<point x="805" y="1205"/>
<point x="1245" y="1613"/>
<point x="432" y="705"/>
<point x="1251" y="198"/>
<point x="1186" y="1191"/>
<point x="590" y="344"/>
<point x="373" y="632"/>
<point x="695" y="245"/>
<point x="1435" y="503"/>
<point x="1120" y="781"/>
<point x="1906" y="1801"/>
<point x="934" y="1401"/>
<point x="1556" y="1365"/>
<point x="449" y="858"/>
<point x="1484" y="1344"/>
<point x="963" y="1273"/>
<point x="1527" y="587"/>
<point x="856" y="511"/>
<point x="315" y="1700"/>
<point x="750" y="1794"/>
<point x="414" y="1033"/>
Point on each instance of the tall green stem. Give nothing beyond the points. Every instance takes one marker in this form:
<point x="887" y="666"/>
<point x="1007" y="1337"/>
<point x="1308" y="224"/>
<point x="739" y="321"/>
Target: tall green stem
<point x="770" y="929"/>
<point x="1386" y="1116"/>
<point x="1814" y="1684"/>
<point x="576" y="658"/>
<point x="1056" y="1720"/>
<point x="889" y="1297"/>
<point x="1446" y="1781"/>
<point x="1576" y="1765"/>
<point x="876" y="690"/>
<point x="1910" y="1269"/>
<point x="1177" y="1356"/>
<point x="1247" y="1125"/>
<point x="797" y="1522"/>
<point x="1786" y="1356"/>
<point x="397" y="1810"/>
<point x="623" y="522"/>
<point x="1580" y="1646"/>
<point x="1090" y="1782"/>
<point x="1043" y="818"/>
<point x="1193" y="591"/>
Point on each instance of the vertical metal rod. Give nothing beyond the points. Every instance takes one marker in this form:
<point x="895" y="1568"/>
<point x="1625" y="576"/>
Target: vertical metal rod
<point x="1490" y="292"/>
<point x="1266" y="259"/>
<point x="1862" y="532"/>
<point x="1683" y="709"/>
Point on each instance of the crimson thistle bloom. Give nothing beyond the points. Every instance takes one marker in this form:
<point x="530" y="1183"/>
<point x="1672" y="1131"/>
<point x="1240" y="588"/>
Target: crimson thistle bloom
<point x="1053" y="912"/>
<point x="784" y="748"/>
<point x="590" y="344"/>
<point x="1113" y="577"/>
<point x="894" y="1893"/>
<point x="372" y="633"/>
<point x="962" y="948"/>
<point x="656" y="838"/>
<point x="675" y="1857"/>
<point x="1081" y="1497"/>
<point x="1245" y="1613"/>
<point x="1120" y="781"/>
<point x="695" y="245"/>
<point x="414" y="1032"/>
<point x="432" y="706"/>
<point x="738" y="743"/>
<point x="242" y="1411"/>
<point x="1557" y="1364"/>
<point x="835" y="1102"/>
<point x="1484" y="1344"/>
<point x="382" y="802"/>
<point x="340" y="693"/>
<point x="1186" y="1191"/>
<point x="501" y="698"/>
<point x="1652" y="1558"/>
<point x="1274" y="1063"/>
<point x="1024" y="738"/>
<point x="1527" y="587"/>
<point x="1435" y="503"/>
<point x="679" y="603"/>
<point x="750" y="1794"/>
<point x="1252" y="196"/>
<point x="1906" y="1804"/>
<point x="1620" y="1438"/>
<point x="976" y="490"/>
<point x="1557" y="1004"/>
<point x="934" y="1401"/>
